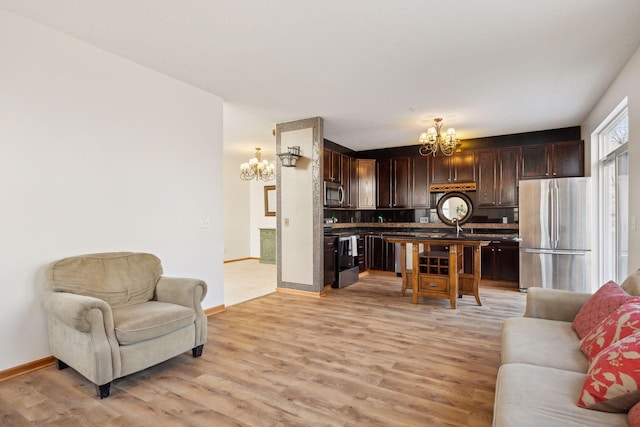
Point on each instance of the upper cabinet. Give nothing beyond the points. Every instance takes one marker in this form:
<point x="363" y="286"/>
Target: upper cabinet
<point x="350" y="181"/>
<point x="508" y="168"/>
<point x="568" y="159"/>
<point x="392" y="178"/>
<point x="461" y="167"/>
<point x="366" y="184"/>
<point x="420" y="182"/>
<point x="560" y="159"/>
<point x="332" y="165"/>
<point x="498" y="177"/>
<point x="402" y="181"/>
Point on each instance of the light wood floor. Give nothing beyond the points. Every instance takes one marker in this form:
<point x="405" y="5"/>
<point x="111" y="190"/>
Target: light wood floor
<point x="361" y="356"/>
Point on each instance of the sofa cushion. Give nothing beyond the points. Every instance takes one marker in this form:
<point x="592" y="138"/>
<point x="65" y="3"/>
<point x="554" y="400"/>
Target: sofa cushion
<point x="601" y="304"/>
<point x="118" y="278"/>
<point x="147" y="320"/>
<point x="624" y="321"/>
<point x="535" y="396"/>
<point x="542" y="342"/>
<point x="612" y="380"/>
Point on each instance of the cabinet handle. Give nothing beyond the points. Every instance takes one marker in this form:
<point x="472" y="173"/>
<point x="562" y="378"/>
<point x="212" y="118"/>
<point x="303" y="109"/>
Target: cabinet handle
<point x="433" y="285"/>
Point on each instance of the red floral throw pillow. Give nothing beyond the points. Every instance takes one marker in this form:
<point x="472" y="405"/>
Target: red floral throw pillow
<point x="624" y="321"/>
<point x="634" y="416"/>
<point x="613" y="377"/>
<point x="601" y="304"/>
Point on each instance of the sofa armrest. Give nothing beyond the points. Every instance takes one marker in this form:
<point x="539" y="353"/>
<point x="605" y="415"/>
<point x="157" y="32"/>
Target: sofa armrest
<point x="554" y="304"/>
<point x="75" y="310"/>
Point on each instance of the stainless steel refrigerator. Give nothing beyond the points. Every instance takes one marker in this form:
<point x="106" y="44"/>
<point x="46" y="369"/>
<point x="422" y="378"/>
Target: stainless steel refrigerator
<point x="555" y="228"/>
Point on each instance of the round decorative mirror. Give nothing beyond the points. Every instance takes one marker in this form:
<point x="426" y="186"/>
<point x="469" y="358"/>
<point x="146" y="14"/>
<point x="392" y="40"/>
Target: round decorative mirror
<point x="455" y="208"/>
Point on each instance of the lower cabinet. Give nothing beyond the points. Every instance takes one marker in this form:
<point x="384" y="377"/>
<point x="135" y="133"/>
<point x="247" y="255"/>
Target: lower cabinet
<point x="362" y="257"/>
<point x="329" y="260"/>
<point x="268" y="245"/>
<point x="500" y="262"/>
<point x="380" y="254"/>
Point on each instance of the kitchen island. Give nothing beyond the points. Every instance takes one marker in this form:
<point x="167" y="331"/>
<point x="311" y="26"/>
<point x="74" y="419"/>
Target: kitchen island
<point x="438" y="274"/>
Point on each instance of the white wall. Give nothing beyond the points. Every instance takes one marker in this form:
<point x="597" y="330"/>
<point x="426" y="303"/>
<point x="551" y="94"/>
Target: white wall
<point x="237" y="208"/>
<point x="627" y="84"/>
<point x="98" y="154"/>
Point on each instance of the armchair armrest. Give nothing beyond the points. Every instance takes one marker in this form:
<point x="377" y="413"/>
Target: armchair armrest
<point x="82" y="334"/>
<point x="182" y="291"/>
<point x="554" y="304"/>
<point x="74" y="310"/>
<point x="189" y="293"/>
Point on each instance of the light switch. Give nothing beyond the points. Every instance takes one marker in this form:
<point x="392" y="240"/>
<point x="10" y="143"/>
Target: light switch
<point x="205" y="222"/>
<point x="286" y="222"/>
<point x="633" y="223"/>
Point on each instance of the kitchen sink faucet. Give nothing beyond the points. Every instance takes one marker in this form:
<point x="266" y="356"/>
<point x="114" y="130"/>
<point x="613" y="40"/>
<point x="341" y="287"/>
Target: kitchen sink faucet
<point x="458" y="228"/>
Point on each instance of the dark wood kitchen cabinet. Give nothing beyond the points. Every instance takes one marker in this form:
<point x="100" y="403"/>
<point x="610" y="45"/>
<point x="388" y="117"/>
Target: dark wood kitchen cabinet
<point x="332" y="165"/>
<point x="362" y="253"/>
<point x="349" y="181"/>
<point x="535" y="161"/>
<point x="366" y="184"/>
<point x="500" y="262"/>
<point x="498" y="177"/>
<point x="330" y="255"/>
<point x="420" y="182"/>
<point x="486" y="193"/>
<point x="557" y="160"/>
<point x="567" y="159"/>
<point x="460" y="167"/>
<point x="380" y="254"/>
<point x="392" y="183"/>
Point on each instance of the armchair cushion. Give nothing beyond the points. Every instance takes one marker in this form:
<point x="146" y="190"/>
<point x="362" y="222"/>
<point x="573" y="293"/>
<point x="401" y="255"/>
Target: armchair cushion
<point x="148" y="320"/>
<point x="118" y="278"/>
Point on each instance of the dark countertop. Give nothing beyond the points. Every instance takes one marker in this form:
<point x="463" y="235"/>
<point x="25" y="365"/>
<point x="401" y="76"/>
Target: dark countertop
<point x="432" y="231"/>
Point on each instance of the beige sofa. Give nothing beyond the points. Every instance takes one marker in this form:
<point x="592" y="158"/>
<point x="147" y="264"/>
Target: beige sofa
<point x="543" y="369"/>
<point x="113" y="314"/>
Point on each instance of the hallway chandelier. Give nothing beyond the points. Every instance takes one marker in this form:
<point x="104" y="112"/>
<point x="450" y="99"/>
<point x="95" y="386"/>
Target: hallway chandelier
<point x="432" y="140"/>
<point x="258" y="169"/>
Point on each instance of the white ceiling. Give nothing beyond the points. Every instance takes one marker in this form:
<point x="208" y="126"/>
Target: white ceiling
<point x="377" y="71"/>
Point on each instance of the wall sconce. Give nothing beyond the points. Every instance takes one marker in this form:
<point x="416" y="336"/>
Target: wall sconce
<point x="290" y="158"/>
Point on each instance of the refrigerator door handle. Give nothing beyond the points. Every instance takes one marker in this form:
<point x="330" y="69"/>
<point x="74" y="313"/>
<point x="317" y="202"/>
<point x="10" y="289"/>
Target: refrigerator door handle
<point x="550" y="221"/>
<point x="556" y="206"/>
<point x="555" y="251"/>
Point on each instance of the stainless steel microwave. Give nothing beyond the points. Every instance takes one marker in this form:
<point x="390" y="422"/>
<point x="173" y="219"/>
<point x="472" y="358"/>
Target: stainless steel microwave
<point x="333" y="194"/>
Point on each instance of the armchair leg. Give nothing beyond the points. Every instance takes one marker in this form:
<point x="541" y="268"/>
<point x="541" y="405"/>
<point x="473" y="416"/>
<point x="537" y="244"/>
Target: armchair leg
<point x="61" y="365"/>
<point x="197" y="351"/>
<point x="103" y="390"/>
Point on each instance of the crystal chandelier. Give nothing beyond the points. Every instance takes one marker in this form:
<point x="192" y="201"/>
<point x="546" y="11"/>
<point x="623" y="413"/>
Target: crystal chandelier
<point x="258" y="169"/>
<point x="432" y="141"/>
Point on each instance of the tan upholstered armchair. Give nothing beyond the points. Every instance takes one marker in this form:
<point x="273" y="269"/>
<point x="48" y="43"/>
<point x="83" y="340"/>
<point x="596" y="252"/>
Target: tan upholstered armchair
<point x="113" y="314"/>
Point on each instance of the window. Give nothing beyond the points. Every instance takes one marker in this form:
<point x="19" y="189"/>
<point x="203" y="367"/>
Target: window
<point x="614" y="197"/>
